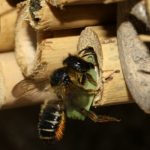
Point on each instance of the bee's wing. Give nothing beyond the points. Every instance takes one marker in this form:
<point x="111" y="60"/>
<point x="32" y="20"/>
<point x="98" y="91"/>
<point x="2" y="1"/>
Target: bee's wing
<point x="33" y="90"/>
<point x="40" y="72"/>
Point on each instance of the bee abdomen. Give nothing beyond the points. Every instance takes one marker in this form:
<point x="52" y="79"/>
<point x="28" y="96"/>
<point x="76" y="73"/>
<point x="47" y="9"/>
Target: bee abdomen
<point x="51" y="122"/>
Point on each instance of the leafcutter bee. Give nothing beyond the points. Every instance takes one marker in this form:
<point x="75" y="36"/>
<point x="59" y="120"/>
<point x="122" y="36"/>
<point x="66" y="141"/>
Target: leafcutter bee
<point x="75" y="88"/>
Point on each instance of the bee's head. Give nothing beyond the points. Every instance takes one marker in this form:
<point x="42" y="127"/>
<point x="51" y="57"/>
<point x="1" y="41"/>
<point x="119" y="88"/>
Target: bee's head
<point x="77" y="64"/>
<point x="60" y="77"/>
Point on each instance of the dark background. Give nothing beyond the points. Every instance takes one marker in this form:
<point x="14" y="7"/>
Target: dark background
<point x="18" y="130"/>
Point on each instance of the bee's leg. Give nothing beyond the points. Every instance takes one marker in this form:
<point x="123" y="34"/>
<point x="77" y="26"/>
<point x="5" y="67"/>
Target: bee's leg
<point x="87" y="54"/>
<point x="109" y="77"/>
<point x="90" y="79"/>
<point x="88" y="91"/>
<point x="91" y="91"/>
<point x="98" y="118"/>
<point x="81" y="85"/>
<point x="88" y="49"/>
<point x="82" y="79"/>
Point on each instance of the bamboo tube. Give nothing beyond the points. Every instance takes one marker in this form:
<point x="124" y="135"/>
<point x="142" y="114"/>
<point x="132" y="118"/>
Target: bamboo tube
<point x="88" y="38"/>
<point x="61" y="3"/>
<point x="148" y="8"/>
<point x="115" y="91"/>
<point x="144" y="38"/>
<point x="10" y="74"/>
<point x="46" y="17"/>
<point x="8" y="16"/>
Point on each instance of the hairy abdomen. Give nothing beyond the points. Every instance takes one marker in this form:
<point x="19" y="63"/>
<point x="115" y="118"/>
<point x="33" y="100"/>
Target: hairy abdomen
<point x="51" y="122"/>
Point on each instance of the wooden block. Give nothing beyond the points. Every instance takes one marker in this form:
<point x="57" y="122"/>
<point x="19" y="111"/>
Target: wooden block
<point x="8" y="16"/>
<point x="47" y="17"/>
<point x="134" y="56"/>
<point x="10" y="74"/>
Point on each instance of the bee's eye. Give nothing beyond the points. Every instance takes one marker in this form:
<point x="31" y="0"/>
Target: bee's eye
<point x="53" y="79"/>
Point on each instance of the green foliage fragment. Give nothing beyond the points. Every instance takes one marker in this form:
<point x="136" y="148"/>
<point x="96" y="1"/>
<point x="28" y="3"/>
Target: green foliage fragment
<point x="84" y="100"/>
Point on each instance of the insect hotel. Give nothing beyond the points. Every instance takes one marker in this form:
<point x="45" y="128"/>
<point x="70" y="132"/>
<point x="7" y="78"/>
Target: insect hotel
<point x="74" y="58"/>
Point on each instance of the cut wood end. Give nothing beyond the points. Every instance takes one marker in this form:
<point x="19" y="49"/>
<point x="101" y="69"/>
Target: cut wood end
<point x="25" y="41"/>
<point x="56" y="3"/>
<point x="134" y="56"/>
<point x="88" y="38"/>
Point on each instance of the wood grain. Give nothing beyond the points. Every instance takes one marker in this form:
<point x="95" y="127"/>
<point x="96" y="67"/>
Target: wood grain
<point x="148" y="9"/>
<point x="61" y="3"/>
<point x="51" y="18"/>
<point x="8" y="17"/>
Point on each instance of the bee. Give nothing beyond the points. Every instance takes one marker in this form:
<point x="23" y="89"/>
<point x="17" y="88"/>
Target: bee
<point x="72" y="98"/>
